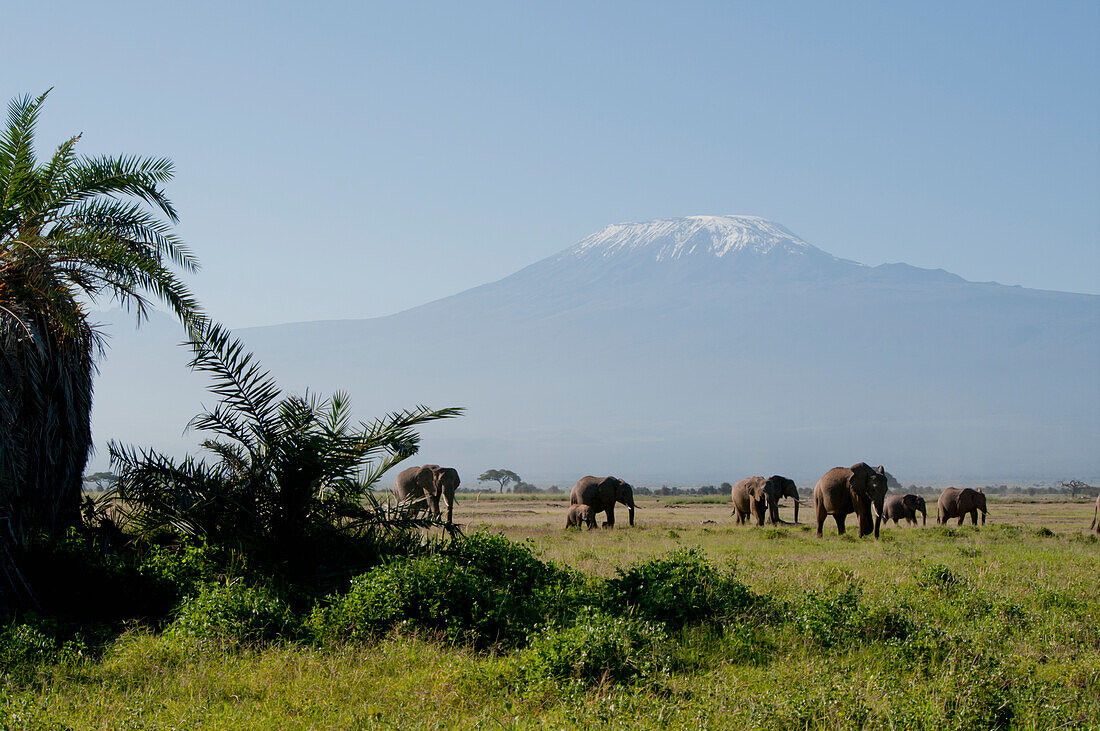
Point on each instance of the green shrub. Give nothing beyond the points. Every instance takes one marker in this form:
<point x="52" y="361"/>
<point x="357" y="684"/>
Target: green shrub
<point x="483" y="589"/>
<point x="677" y="590"/>
<point x="526" y="590"/>
<point x="597" y="647"/>
<point x="180" y="568"/>
<point x="427" y="591"/>
<point x="234" y="612"/>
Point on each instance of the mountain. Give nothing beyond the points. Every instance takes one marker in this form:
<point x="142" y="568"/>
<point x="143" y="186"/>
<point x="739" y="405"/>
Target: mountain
<point x="694" y="350"/>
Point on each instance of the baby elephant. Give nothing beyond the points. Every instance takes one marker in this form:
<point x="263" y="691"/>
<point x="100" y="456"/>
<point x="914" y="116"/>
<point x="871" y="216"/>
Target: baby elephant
<point x="905" y="507"/>
<point x="578" y="515"/>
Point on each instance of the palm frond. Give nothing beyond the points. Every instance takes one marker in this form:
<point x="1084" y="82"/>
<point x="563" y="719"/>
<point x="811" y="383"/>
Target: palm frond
<point x="239" y="381"/>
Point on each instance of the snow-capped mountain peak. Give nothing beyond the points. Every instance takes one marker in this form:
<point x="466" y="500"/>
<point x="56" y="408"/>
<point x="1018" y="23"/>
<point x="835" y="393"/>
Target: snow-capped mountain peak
<point x="675" y="238"/>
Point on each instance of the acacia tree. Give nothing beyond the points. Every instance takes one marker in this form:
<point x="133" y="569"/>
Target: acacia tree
<point x="73" y="231"/>
<point x="1074" y="486"/>
<point x="502" y="476"/>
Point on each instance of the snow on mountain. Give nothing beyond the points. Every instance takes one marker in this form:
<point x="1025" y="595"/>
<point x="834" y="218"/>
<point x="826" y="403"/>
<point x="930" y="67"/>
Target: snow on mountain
<point x="675" y="238"/>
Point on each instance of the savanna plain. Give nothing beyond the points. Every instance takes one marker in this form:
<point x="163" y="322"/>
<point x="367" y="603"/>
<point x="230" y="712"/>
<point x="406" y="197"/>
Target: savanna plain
<point x="683" y="621"/>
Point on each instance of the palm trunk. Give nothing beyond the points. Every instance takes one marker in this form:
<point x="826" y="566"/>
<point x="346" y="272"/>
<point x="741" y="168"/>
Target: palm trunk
<point x="45" y="432"/>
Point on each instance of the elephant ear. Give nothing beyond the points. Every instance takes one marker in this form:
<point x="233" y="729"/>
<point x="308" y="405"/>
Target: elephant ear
<point x="855" y="478"/>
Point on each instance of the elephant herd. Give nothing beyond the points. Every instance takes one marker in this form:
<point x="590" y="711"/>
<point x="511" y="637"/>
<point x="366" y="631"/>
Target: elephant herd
<point x="845" y="490"/>
<point x="840" y="492"/>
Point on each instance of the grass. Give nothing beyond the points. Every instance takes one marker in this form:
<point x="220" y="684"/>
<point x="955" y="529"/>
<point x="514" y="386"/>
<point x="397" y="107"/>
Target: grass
<point x="965" y="628"/>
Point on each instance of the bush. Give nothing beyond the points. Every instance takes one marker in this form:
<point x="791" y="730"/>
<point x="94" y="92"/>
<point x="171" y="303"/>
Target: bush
<point x="426" y="591"/>
<point x="482" y="589"/>
<point x="234" y="612"/>
<point x="597" y="647"/>
<point x="678" y="590"/>
<point x="180" y="569"/>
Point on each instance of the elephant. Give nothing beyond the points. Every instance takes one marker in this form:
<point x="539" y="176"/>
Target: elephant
<point x="749" y="499"/>
<point x="755" y="495"/>
<point x="956" y="503"/>
<point x="854" y="489"/>
<point x="779" y="487"/>
<point x="1096" y="516"/>
<point x="580" y="515"/>
<point x="428" y="482"/>
<point x="600" y="495"/>
<point x="898" y="507"/>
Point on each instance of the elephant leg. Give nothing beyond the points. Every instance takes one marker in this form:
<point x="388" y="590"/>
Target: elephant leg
<point x="962" y="518"/>
<point x="610" y="522"/>
<point x="974" y="516"/>
<point x="840" y="518"/>
<point x="820" y="516"/>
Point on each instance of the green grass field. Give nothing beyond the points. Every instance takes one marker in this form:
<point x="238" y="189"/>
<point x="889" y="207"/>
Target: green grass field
<point x="968" y="628"/>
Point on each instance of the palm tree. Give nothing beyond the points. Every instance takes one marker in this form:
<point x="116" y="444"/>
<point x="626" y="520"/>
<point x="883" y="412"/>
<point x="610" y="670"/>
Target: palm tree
<point x="287" y="468"/>
<point x="73" y="231"/>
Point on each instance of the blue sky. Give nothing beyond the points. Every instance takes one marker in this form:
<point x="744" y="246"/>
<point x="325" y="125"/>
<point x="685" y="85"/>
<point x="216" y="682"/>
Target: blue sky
<point x="341" y="160"/>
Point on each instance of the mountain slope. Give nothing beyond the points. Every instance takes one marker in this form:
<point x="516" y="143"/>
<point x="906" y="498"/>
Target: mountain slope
<point x="707" y="348"/>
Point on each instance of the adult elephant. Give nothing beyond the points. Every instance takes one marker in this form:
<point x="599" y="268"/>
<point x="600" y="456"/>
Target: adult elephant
<point x="854" y="489"/>
<point x="750" y="498"/>
<point x="905" y="507"/>
<point x="753" y="496"/>
<point x="427" y="483"/>
<point x="600" y="494"/>
<point x="779" y="487"/>
<point x="956" y="503"/>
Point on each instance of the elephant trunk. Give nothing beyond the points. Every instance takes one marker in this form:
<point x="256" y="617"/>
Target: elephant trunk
<point x="867" y="524"/>
<point x="630" y="513"/>
<point x="924" y="517"/>
<point x="796" y="510"/>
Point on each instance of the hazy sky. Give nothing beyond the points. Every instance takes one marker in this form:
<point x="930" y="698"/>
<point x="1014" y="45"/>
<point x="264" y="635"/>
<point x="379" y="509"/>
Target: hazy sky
<point x="339" y="160"/>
